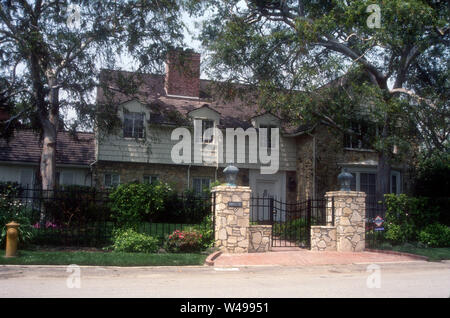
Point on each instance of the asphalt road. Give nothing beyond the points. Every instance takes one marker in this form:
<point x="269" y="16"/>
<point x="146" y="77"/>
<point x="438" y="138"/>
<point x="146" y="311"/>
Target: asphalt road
<point x="413" y="279"/>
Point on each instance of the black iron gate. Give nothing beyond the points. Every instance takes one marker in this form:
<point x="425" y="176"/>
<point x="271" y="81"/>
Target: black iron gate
<point x="291" y="222"/>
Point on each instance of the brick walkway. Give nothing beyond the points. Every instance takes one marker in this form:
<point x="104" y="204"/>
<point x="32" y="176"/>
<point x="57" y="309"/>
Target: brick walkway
<point x="299" y="257"/>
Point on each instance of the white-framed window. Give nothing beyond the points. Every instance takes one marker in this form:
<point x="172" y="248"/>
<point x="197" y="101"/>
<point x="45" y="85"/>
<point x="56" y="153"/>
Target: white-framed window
<point x="207" y="124"/>
<point x="133" y="125"/>
<point x="395" y="182"/>
<point x="365" y="180"/>
<point x="200" y="127"/>
<point x="363" y="136"/>
<point x="200" y="183"/>
<point x="150" y="179"/>
<point x="112" y="179"/>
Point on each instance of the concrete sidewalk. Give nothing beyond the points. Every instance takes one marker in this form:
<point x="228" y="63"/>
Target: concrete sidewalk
<point x="301" y="257"/>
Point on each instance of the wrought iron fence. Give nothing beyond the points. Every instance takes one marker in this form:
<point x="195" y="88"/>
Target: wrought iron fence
<point x="85" y="218"/>
<point x="291" y="221"/>
<point x="374" y="234"/>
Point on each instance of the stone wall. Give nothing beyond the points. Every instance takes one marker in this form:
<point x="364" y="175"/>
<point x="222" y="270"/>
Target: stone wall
<point x="323" y="238"/>
<point x="260" y="238"/>
<point x="349" y="213"/>
<point x="173" y="174"/>
<point x="232" y="223"/>
<point x="329" y="150"/>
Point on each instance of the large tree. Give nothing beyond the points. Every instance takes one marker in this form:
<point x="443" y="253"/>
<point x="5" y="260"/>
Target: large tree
<point x="51" y="53"/>
<point x="382" y="61"/>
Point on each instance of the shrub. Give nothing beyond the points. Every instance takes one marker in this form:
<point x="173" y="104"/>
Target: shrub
<point x="407" y="216"/>
<point x="133" y="242"/>
<point x="206" y="231"/>
<point x="133" y="203"/>
<point x="12" y="209"/>
<point x="435" y="235"/>
<point x="75" y="205"/>
<point x="184" y="241"/>
<point x="290" y="229"/>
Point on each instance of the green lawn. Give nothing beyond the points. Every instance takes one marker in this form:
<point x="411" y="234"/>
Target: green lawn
<point x="433" y="253"/>
<point x="102" y="258"/>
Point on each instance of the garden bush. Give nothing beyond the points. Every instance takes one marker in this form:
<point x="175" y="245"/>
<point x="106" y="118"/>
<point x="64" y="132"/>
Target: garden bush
<point x="435" y="235"/>
<point x="206" y="231"/>
<point x="133" y="203"/>
<point x="407" y="216"/>
<point x="75" y="205"/>
<point x="133" y="242"/>
<point x="159" y="203"/>
<point x="293" y="228"/>
<point x="12" y="209"/>
<point x="184" y="241"/>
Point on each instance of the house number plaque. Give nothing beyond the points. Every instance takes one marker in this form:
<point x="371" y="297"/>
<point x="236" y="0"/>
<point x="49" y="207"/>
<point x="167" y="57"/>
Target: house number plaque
<point x="235" y="204"/>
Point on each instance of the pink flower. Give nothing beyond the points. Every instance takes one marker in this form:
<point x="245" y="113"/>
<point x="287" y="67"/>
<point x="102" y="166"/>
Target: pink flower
<point x="50" y="224"/>
<point x="37" y="226"/>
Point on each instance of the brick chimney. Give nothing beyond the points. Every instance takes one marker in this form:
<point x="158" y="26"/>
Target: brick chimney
<point x="183" y="74"/>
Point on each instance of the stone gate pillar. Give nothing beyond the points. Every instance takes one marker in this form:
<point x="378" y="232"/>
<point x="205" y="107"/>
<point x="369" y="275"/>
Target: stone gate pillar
<point x="349" y="219"/>
<point x="232" y="218"/>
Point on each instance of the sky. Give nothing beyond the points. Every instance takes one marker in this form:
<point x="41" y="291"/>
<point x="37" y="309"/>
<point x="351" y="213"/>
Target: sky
<point x="125" y="62"/>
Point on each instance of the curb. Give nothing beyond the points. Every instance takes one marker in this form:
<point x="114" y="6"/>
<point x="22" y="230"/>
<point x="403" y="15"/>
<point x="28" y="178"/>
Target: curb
<point x="420" y="257"/>
<point x="211" y="257"/>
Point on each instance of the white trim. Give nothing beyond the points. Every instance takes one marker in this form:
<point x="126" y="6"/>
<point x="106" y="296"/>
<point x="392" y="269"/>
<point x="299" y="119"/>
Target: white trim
<point x="181" y="96"/>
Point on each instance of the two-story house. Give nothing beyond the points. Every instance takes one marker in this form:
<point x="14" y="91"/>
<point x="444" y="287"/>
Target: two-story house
<point x="310" y="157"/>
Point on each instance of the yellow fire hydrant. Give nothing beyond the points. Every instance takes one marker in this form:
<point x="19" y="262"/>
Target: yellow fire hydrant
<point x="12" y="235"/>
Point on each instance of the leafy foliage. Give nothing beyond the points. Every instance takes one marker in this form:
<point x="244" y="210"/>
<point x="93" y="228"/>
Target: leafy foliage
<point x="76" y="205"/>
<point x="134" y="202"/>
<point x="133" y="242"/>
<point x="433" y="175"/>
<point x="407" y="216"/>
<point x="52" y="53"/>
<point x="291" y="229"/>
<point x="321" y="61"/>
<point x="12" y="209"/>
<point x="435" y="235"/>
<point x="184" y="241"/>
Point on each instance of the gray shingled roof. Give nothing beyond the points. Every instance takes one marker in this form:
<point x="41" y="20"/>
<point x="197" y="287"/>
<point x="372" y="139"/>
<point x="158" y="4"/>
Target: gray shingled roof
<point x="151" y="93"/>
<point x="71" y="149"/>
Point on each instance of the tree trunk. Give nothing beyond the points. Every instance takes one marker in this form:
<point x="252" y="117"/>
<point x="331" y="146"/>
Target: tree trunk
<point x="48" y="157"/>
<point x="383" y="176"/>
<point x="384" y="166"/>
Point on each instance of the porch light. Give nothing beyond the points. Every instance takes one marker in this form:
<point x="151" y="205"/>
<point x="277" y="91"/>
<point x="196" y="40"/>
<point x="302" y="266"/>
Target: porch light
<point x="345" y="180"/>
<point x="230" y="175"/>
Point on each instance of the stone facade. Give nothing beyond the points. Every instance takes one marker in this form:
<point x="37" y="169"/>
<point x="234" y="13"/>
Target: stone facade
<point x="323" y="238"/>
<point x="232" y="223"/>
<point x="349" y="213"/>
<point x="319" y="158"/>
<point x="320" y="155"/>
<point x="260" y="238"/>
<point x="177" y="175"/>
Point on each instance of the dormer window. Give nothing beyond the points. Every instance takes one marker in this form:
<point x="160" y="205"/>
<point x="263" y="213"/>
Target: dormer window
<point x="207" y="124"/>
<point x="133" y="125"/>
<point x="268" y="134"/>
